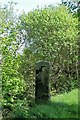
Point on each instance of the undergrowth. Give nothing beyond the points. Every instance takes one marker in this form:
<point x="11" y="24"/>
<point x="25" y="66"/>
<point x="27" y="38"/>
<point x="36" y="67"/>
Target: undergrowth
<point x="60" y="106"/>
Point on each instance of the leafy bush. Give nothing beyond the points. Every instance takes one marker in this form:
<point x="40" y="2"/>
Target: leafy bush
<point x="20" y="109"/>
<point x="13" y="84"/>
<point x="52" y="35"/>
<point x="12" y="89"/>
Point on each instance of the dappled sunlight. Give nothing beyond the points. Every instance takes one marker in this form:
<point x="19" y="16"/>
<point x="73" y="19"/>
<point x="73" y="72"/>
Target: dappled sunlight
<point x="67" y="97"/>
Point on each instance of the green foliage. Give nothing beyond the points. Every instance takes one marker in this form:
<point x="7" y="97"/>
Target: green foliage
<point x="60" y="106"/>
<point x="20" y="110"/>
<point x="49" y="34"/>
<point x="12" y="89"/>
<point x="27" y="69"/>
<point x="52" y="35"/>
<point x="72" y="5"/>
<point x="13" y="85"/>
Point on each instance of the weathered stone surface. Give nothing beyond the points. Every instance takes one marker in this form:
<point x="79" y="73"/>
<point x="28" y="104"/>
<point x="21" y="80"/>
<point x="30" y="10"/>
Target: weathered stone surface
<point x="42" y="81"/>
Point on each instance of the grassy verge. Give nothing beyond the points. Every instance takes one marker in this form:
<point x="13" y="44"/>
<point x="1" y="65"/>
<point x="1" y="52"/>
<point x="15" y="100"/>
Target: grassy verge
<point x="60" y="106"/>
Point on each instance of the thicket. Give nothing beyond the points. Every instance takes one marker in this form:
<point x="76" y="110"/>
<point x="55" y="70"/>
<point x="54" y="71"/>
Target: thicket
<point x="52" y="35"/>
<point x="13" y="84"/>
<point x="45" y="34"/>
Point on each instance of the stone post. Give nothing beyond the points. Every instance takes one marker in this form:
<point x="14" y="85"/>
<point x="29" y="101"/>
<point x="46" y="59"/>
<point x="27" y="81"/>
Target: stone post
<point x="42" y="82"/>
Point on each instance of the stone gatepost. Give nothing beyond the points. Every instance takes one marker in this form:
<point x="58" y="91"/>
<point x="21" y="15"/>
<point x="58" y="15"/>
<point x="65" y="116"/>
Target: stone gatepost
<point x="42" y="82"/>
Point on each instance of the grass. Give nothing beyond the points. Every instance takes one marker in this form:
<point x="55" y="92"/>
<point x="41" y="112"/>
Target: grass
<point x="60" y="106"/>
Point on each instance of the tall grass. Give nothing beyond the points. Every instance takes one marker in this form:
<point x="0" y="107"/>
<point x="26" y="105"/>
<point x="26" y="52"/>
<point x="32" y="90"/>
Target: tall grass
<point x="60" y="106"/>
